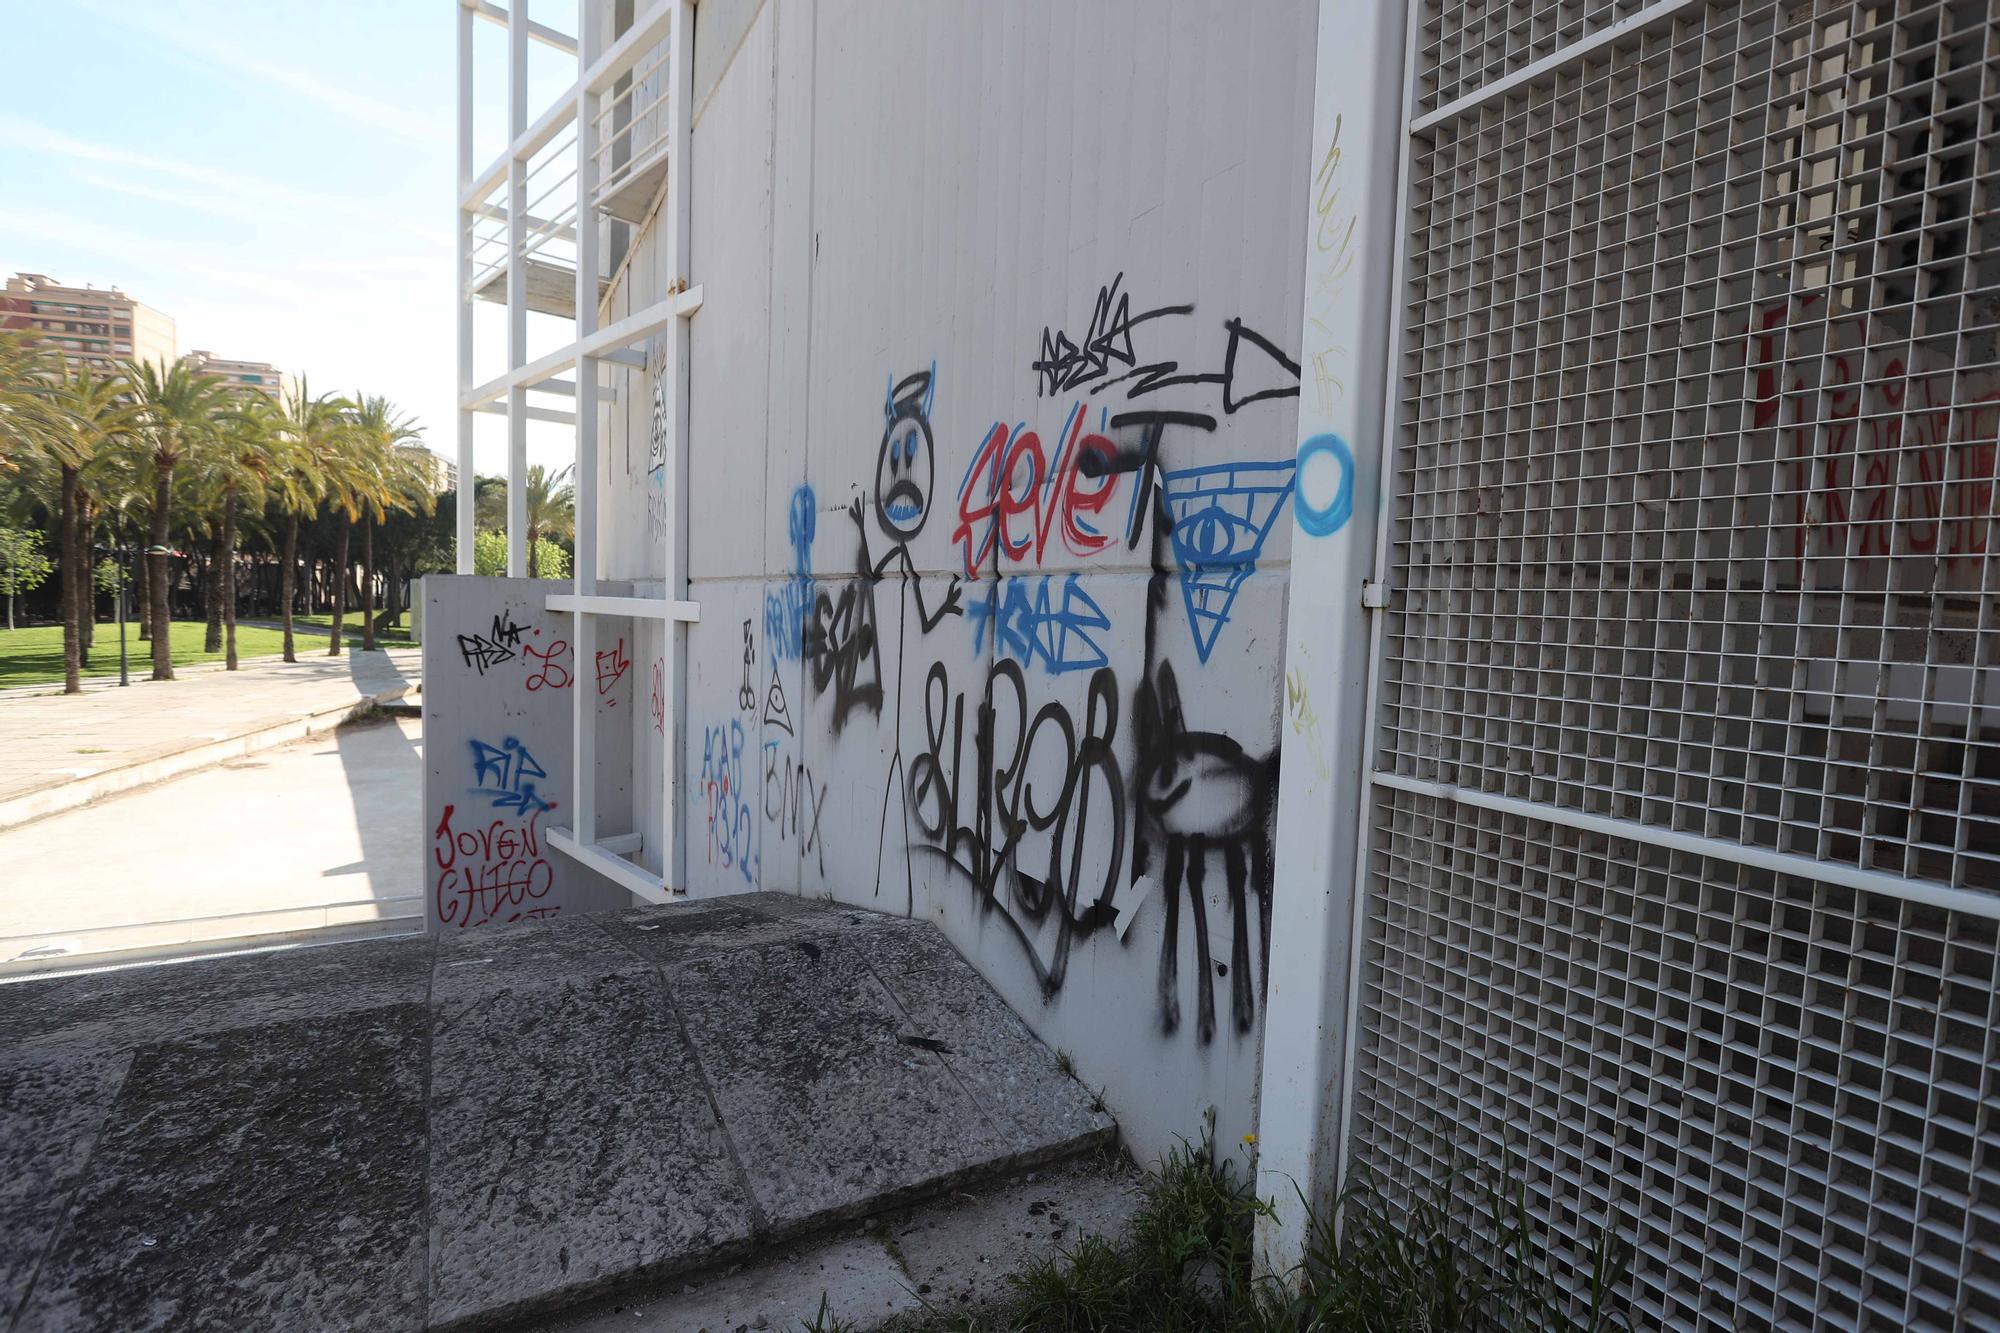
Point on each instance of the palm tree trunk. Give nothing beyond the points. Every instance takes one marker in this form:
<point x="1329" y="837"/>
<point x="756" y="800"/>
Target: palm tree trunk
<point x="86" y="595"/>
<point x="74" y="583"/>
<point x="339" y="586"/>
<point x="368" y="584"/>
<point x="211" y="639"/>
<point x="288" y="575"/>
<point x="392" y="591"/>
<point x="534" y="545"/>
<point x="158" y="572"/>
<point x="229" y="578"/>
<point x="143" y="597"/>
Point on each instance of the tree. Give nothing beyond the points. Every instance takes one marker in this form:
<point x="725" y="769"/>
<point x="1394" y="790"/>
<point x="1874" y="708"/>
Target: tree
<point x="489" y="556"/>
<point x="310" y="433"/>
<point x="380" y="436"/>
<point x="551" y="509"/>
<point x="23" y="567"/>
<point x="25" y="369"/>
<point x="234" y="464"/>
<point x="177" y="410"/>
<point x="94" y="413"/>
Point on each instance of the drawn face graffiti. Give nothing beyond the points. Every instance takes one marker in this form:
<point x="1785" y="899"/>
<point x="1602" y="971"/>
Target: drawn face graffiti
<point x="656" y="440"/>
<point x="906" y="467"/>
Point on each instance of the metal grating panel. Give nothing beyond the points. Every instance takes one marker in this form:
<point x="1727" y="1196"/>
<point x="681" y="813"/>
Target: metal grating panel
<point x="1693" y="527"/>
<point x="1696" y="505"/>
<point x="1782" y="1094"/>
<point x="1464" y="45"/>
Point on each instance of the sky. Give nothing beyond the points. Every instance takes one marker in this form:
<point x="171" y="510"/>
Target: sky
<point x="276" y="175"/>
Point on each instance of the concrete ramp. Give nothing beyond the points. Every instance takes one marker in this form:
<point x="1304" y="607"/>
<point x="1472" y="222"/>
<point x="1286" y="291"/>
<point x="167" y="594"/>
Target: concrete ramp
<point x="406" y="1134"/>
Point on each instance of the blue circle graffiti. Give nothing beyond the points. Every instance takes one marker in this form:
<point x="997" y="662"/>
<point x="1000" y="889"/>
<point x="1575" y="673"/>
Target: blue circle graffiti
<point x="1325" y="520"/>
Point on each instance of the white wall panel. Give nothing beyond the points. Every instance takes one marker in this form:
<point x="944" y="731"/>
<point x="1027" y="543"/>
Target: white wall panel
<point x="893" y="206"/>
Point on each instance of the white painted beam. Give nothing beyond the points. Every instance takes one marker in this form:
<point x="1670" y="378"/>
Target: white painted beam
<point x="1352" y="222"/>
<point x="462" y="516"/>
<point x="639" y="608"/>
<point x="551" y="414"/>
<point x="517" y="295"/>
<point x="614" y="868"/>
<point x="541" y="32"/>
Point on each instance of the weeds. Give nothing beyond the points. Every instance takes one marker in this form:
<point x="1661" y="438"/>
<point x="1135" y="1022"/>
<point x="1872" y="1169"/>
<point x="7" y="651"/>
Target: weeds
<point x="1462" y="1258"/>
<point x="826" y="1321"/>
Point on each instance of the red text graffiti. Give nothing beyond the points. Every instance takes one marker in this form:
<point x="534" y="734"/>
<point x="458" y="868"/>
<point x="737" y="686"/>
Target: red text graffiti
<point x="490" y="873"/>
<point x="1014" y="499"/>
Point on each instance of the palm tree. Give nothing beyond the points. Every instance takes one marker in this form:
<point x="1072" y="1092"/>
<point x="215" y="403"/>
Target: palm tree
<point x="379" y="434"/>
<point x="26" y="368"/>
<point x="551" y="511"/>
<point x="311" y="432"/>
<point x="551" y="508"/>
<point x="178" y="409"/>
<point x="233" y="467"/>
<point x="353" y="483"/>
<point x="94" y="411"/>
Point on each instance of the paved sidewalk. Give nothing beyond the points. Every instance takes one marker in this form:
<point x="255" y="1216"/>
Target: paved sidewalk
<point x="325" y="838"/>
<point x="66" y="750"/>
<point x="409" y="1134"/>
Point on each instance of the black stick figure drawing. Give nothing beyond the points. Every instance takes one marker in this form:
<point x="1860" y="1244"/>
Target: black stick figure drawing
<point x="905" y="477"/>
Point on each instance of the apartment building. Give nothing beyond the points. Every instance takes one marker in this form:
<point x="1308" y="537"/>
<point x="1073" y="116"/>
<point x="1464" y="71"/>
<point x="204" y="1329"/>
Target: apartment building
<point x="439" y="471"/>
<point x="259" y="375"/>
<point x="99" y="326"/>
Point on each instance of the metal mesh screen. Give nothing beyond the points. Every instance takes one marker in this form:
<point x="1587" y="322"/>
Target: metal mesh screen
<point x="1696" y="497"/>
<point x="1693" y="526"/>
<point x="1782" y="1094"/>
<point x="1466" y="44"/>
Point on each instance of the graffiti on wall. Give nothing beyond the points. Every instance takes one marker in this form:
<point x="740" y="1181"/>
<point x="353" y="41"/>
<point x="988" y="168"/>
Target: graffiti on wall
<point x="787" y="607"/>
<point x="1881" y="456"/>
<point x="793" y="799"/>
<point x="505" y="775"/>
<point x="612" y="664"/>
<point x="726" y="798"/>
<point x="1048" y="619"/>
<point x="492" y="868"/>
<point x="501" y="644"/>
<point x="487" y="872"/>
<point x="1064" y="794"/>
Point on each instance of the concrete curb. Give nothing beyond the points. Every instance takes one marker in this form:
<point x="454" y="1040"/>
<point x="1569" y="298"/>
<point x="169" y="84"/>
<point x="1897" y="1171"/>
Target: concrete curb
<point x="112" y="781"/>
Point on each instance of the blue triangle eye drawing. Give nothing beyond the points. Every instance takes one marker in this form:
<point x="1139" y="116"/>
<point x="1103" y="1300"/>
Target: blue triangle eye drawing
<point x="1222" y="516"/>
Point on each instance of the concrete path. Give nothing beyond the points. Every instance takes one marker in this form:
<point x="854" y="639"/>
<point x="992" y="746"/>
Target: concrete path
<point x="323" y="833"/>
<point x="66" y="750"/>
<point x="401" y="1134"/>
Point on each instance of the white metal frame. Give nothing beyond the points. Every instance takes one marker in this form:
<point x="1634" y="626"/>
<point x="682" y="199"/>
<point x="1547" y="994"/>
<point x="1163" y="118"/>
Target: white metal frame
<point x="1353" y="216"/>
<point x="565" y="212"/>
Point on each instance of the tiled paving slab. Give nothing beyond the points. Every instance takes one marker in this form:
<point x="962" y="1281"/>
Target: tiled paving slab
<point x="141" y="1005"/>
<point x="51" y="1112"/>
<point x="807" y="1078"/>
<point x="571" y="1142"/>
<point x="395" y="1135"/>
<point x="260" y="1177"/>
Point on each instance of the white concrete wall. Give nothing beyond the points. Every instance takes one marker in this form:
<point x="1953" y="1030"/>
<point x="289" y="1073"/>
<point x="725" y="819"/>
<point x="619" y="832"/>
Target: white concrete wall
<point x="497" y="747"/>
<point x="899" y="210"/>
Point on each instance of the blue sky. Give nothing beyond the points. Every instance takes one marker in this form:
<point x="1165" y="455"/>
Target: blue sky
<point x="276" y="175"/>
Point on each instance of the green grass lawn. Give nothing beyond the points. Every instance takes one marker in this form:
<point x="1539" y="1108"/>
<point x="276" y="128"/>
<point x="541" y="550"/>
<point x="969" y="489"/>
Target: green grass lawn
<point x="33" y="655"/>
<point x="351" y="629"/>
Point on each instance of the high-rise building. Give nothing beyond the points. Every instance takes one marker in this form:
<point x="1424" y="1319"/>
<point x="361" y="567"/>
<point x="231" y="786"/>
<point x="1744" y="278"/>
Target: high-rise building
<point x="99" y="326"/>
<point x="440" y="472"/>
<point x="259" y="375"/>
